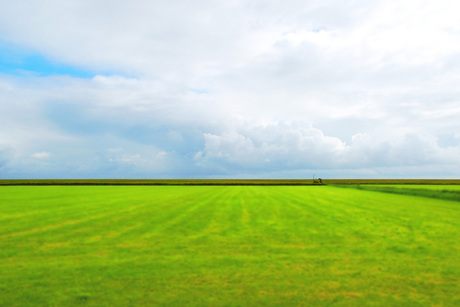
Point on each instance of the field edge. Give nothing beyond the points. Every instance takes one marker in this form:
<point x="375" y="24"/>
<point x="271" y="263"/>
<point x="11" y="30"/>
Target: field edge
<point x="221" y="182"/>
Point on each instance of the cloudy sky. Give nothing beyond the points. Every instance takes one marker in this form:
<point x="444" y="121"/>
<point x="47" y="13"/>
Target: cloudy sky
<point x="229" y="89"/>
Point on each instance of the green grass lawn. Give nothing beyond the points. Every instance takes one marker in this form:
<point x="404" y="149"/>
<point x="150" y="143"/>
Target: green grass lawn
<point x="449" y="192"/>
<point x="436" y="187"/>
<point x="226" y="245"/>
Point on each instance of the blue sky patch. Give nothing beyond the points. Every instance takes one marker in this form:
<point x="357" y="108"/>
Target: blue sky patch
<point x="18" y="61"/>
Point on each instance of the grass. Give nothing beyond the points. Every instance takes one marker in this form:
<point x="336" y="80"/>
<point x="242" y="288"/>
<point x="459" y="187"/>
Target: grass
<point x="394" y="181"/>
<point x="226" y="245"/>
<point x="450" y="192"/>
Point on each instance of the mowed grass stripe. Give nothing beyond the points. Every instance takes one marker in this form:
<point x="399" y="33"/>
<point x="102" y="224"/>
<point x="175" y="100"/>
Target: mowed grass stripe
<point x="186" y="221"/>
<point x="386" y="214"/>
<point x="87" y="212"/>
<point x="90" y="223"/>
<point x="226" y="219"/>
<point x="73" y="205"/>
<point x="230" y="245"/>
<point x="105" y="216"/>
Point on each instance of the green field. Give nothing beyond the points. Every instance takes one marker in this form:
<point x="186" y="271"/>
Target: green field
<point x="445" y="191"/>
<point x="435" y="187"/>
<point x="226" y="245"/>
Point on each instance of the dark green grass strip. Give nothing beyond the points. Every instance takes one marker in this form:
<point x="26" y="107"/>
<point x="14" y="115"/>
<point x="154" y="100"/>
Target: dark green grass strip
<point x="393" y="181"/>
<point x="446" y="193"/>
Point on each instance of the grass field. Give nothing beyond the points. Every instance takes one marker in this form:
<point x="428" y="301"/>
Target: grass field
<point x="444" y="191"/>
<point x="226" y="245"/>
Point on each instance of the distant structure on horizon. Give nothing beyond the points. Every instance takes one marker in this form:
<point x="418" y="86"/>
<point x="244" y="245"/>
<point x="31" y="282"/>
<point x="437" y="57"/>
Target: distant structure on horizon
<point x="317" y="181"/>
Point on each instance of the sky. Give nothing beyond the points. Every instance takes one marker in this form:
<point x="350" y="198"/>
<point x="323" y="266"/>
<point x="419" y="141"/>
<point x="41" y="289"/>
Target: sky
<point x="229" y="89"/>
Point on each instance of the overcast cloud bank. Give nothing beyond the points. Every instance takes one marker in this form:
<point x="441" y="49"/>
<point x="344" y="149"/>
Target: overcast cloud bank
<point x="231" y="89"/>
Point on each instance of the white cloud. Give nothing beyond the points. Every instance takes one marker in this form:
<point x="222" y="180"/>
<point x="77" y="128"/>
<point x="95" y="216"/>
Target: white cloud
<point x="301" y="146"/>
<point x="41" y="155"/>
<point x="217" y="85"/>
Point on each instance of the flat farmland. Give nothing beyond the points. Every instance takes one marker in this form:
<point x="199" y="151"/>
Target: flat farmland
<point x="226" y="245"/>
